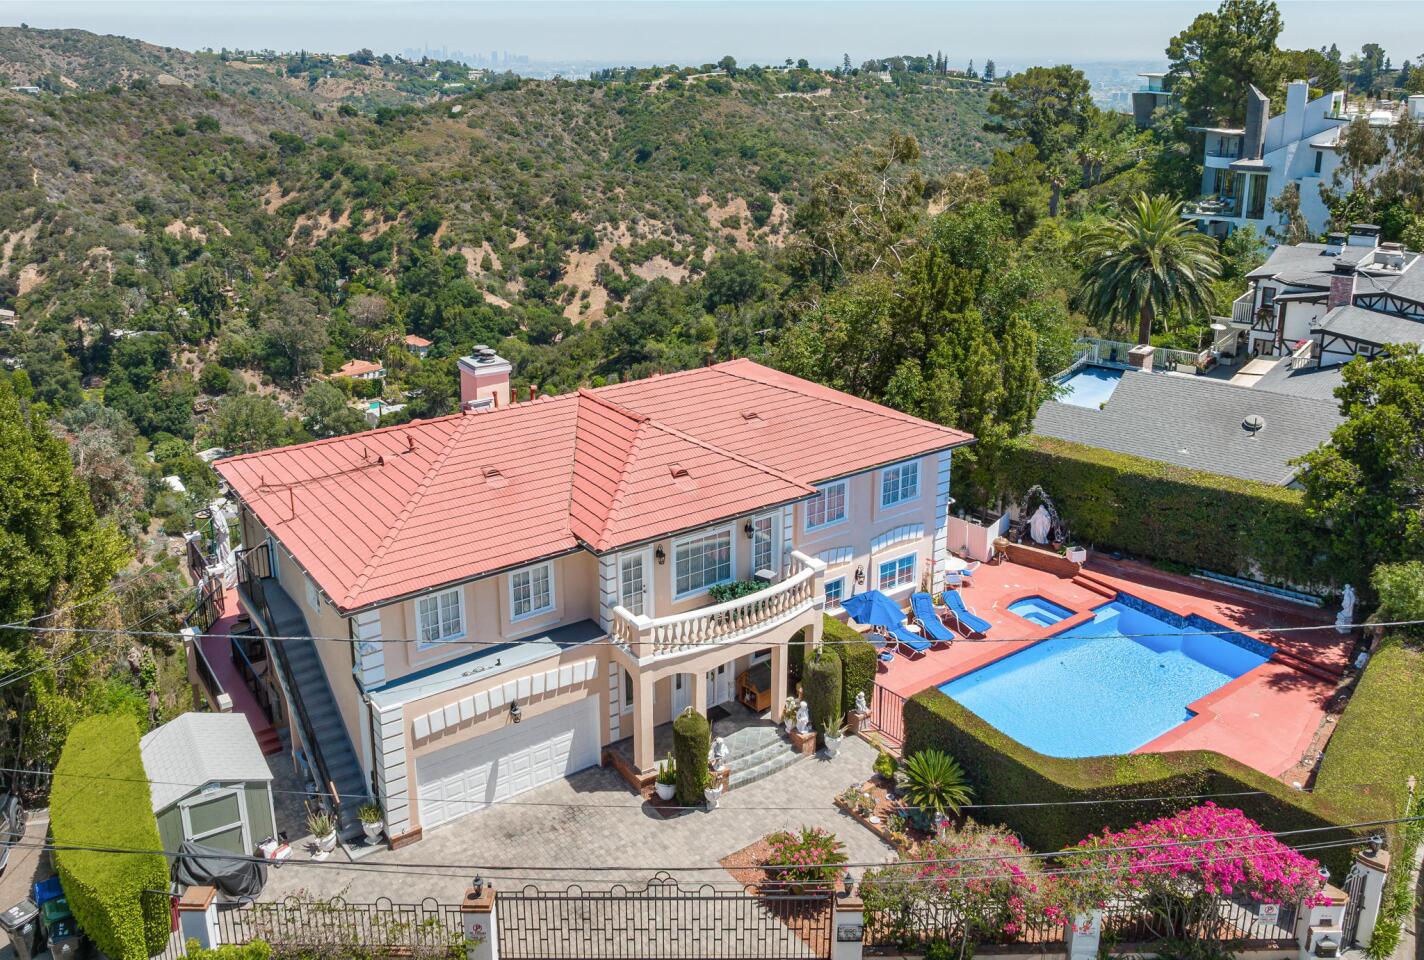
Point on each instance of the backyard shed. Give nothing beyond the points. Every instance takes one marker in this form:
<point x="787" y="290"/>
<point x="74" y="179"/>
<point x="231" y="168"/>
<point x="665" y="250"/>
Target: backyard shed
<point x="209" y="782"/>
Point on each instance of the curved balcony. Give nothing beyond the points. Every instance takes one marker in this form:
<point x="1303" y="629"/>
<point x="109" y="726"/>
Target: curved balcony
<point x="653" y="638"/>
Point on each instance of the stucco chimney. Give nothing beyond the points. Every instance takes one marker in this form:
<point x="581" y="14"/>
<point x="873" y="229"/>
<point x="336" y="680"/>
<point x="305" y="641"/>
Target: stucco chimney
<point x="1342" y="286"/>
<point x="1364" y="235"/>
<point x="1297" y="96"/>
<point x="1334" y="244"/>
<point x="1258" y="112"/>
<point x="484" y="376"/>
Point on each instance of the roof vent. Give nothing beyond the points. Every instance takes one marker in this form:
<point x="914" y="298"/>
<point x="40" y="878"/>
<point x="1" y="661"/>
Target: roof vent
<point x="493" y="477"/>
<point x="678" y="471"/>
<point x="1334" y="244"/>
<point x="681" y="478"/>
<point x="484" y="354"/>
<point x="1253" y="424"/>
<point x="753" y="418"/>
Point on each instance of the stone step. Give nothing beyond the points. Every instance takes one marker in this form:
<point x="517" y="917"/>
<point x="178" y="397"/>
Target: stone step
<point x="759" y="755"/>
<point x="748" y="775"/>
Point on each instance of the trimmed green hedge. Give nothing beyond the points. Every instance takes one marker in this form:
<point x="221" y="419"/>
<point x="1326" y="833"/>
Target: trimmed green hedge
<point x="1003" y="771"/>
<point x="858" y="661"/>
<point x="823" y="689"/>
<point x="691" y="740"/>
<point x="100" y="798"/>
<point x="1170" y="513"/>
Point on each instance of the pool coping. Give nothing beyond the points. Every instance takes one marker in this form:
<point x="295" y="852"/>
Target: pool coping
<point x="1201" y="708"/>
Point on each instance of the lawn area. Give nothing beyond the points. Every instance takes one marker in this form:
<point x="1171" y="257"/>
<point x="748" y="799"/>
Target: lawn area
<point x="1379" y="744"/>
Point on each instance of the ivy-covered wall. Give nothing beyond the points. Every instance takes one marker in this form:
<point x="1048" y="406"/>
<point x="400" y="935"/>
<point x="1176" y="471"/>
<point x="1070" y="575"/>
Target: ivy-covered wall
<point x="1168" y="513"/>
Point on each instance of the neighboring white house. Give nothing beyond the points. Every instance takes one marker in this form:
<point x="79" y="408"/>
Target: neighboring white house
<point x="1245" y="169"/>
<point x="1154" y="94"/>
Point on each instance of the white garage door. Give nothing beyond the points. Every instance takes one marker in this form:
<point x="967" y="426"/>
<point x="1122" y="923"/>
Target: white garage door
<point x="470" y="775"/>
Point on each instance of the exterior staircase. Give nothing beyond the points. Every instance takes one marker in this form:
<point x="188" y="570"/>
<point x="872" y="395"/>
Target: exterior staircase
<point x="757" y="753"/>
<point x="324" y="730"/>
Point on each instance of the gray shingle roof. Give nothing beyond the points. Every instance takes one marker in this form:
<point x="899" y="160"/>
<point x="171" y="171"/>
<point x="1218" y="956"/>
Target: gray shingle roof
<point x="1196" y="422"/>
<point x="1308" y="265"/>
<point x="1309" y="381"/>
<point x="1372" y="326"/>
<point x="196" y="749"/>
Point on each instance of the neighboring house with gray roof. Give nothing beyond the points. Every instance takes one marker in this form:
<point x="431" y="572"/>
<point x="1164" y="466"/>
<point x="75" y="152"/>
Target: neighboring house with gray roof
<point x="1327" y="303"/>
<point x="1198" y="422"/>
<point x="209" y="782"/>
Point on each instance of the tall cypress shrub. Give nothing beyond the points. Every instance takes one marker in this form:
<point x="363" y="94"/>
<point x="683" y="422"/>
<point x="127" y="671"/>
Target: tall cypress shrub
<point x="691" y="740"/>
<point x="823" y="689"/>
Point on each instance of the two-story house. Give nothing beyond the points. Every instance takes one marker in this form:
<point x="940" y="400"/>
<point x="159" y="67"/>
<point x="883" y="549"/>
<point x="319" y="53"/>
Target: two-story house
<point x="1327" y="303"/>
<point x="464" y="608"/>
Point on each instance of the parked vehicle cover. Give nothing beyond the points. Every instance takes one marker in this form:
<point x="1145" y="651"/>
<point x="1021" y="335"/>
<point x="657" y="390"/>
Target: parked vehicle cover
<point x="197" y="865"/>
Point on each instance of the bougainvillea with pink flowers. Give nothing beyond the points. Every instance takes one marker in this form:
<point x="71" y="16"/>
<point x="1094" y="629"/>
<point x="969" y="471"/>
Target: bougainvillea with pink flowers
<point x="1181" y="867"/>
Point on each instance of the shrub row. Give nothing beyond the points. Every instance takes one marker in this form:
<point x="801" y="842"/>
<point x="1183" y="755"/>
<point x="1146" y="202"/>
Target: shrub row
<point x="100" y="798"/>
<point x="1003" y="771"/>
<point x="1169" y="513"/>
<point x="858" y="661"/>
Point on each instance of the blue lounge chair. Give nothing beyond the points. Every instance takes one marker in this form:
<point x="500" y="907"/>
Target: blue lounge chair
<point x="968" y="620"/>
<point x="913" y="644"/>
<point x="922" y="606"/>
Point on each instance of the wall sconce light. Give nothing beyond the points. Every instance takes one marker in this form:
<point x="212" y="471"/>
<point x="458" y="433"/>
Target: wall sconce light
<point x="515" y="713"/>
<point x="660" y="555"/>
<point x="859" y="574"/>
<point x="749" y="530"/>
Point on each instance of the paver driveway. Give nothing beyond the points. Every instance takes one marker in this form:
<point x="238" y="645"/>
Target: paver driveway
<point x="527" y="841"/>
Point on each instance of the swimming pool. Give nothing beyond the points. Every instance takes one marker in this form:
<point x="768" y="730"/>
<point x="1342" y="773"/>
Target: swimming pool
<point x="1037" y="610"/>
<point x="1109" y="685"/>
<point x="1090" y="386"/>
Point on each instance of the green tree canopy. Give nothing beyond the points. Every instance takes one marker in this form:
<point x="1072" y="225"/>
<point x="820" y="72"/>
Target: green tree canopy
<point x="1216" y="59"/>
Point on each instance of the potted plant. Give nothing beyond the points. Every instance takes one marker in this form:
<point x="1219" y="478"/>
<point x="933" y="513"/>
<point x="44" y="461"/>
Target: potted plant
<point x="831" y="735"/>
<point x="371" y="820"/>
<point x="788" y="713"/>
<point x="666" y="782"/>
<point x="323" y="829"/>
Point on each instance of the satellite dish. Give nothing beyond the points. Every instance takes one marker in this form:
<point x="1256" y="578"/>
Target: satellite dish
<point x="1253" y="424"/>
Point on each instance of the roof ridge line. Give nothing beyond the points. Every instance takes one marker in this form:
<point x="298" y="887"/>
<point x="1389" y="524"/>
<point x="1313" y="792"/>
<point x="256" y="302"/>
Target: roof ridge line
<point x="618" y="408"/>
<point x="424" y="486"/>
<point x="615" y="502"/>
<point x="343" y="438"/>
<point x="836" y="398"/>
<point x="741" y="458"/>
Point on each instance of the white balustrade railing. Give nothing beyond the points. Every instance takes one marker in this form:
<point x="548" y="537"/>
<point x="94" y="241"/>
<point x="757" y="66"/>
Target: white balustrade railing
<point x="648" y="637"/>
<point x="1243" y="309"/>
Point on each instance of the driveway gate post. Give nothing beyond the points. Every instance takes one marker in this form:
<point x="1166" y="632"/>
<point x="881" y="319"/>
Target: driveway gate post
<point x="478" y="919"/>
<point x="847" y="926"/>
<point x="198" y="916"/>
<point x="1373" y="869"/>
<point x="1085" y="935"/>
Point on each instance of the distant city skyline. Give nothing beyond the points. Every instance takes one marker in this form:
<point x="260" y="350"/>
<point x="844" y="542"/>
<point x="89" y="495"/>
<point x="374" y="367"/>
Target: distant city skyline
<point x="1015" y="34"/>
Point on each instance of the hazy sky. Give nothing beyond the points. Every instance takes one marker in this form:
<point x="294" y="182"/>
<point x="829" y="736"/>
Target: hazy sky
<point x="687" y="31"/>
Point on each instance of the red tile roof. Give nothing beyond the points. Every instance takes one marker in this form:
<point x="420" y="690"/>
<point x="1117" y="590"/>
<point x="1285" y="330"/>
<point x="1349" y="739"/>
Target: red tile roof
<point x="354" y="368"/>
<point x="379" y="515"/>
<point x="414" y="340"/>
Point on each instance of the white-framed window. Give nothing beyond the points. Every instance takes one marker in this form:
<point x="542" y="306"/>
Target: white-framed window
<point x="633" y="583"/>
<point x="531" y="591"/>
<point x="217" y="819"/>
<point x="701" y="562"/>
<point x="440" y="618"/>
<point x="835" y="591"/>
<point x="896" y="573"/>
<point x="899" y="484"/>
<point x="764" y="543"/>
<point x="827" y="507"/>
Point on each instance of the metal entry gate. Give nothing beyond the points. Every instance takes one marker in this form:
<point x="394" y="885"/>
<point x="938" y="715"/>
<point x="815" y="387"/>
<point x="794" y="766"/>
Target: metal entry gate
<point x="1354" y="900"/>
<point x="662" y="921"/>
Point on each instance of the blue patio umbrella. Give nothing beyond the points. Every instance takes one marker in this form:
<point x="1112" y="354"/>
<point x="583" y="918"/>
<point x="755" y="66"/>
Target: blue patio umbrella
<point x="873" y="609"/>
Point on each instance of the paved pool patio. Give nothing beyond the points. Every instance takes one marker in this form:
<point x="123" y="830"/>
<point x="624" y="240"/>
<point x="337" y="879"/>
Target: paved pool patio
<point x="1268" y="719"/>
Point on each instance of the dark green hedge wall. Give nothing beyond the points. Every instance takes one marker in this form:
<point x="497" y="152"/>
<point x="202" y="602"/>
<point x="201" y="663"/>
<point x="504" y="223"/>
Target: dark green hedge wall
<point x="1003" y="771"/>
<point x="1156" y="510"/>
<point x="858" y="661"/>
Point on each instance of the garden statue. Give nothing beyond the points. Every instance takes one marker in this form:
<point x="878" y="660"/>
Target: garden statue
<point x="860" y="705"/>
<point x="803" y="718"/>
<point x="1346" y="617"/>
<point x="719" y="753"/>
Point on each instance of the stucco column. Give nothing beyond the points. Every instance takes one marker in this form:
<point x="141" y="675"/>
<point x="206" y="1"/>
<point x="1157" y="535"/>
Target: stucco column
<point x="198" y="916"/>
<point x="698" y="679"/>
<point x="778" y="679"/>
<point x="477" y="919"/>
<point x="643" y="747"/>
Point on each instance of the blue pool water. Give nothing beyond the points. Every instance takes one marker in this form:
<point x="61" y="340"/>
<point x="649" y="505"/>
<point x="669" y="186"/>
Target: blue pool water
<point x="1037" y="610"/>
<point x="1103" y="687"/>
<point x="1089" y="386"/>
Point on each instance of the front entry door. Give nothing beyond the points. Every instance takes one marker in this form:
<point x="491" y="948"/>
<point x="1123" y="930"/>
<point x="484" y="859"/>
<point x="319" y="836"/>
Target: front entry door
<point x="682" y="692"/>
<point x="719" y="685"/>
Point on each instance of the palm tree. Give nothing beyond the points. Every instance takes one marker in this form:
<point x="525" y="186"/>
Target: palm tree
<point x="1145" y="262"/>
<point x="934" y="784"/>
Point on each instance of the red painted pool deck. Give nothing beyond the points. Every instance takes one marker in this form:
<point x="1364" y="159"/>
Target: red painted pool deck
<point x="1266" y="718"/>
